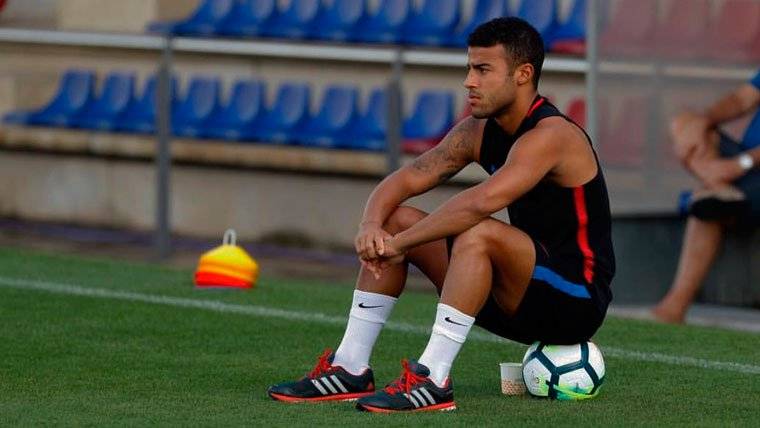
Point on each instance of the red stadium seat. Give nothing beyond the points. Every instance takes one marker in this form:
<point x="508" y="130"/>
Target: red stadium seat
<point x="683" y="31"/>
<point x="624" y="145"/>
<point x="576" y="110"/>
<point x="735" y="33"/>
<point x="629" y="31"/>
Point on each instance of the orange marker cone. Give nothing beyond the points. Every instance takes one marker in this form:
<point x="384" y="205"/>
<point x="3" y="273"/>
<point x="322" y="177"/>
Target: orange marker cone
<point x="227" y="266"/>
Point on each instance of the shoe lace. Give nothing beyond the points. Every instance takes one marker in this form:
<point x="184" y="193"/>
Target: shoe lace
<point x="323" y="364"/>
<point x="405" y="382"/>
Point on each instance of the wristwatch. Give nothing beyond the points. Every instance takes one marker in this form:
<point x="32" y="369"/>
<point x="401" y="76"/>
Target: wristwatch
<point x="746" y="161"/>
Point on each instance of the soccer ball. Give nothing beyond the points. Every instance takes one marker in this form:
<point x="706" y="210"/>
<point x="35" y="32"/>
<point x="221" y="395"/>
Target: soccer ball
<point x="563" y="372"/>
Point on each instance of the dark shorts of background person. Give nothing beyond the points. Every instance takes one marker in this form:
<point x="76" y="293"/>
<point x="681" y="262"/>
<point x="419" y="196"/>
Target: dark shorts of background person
<point x="545" y="314"/>
<point x="749" y="184"/>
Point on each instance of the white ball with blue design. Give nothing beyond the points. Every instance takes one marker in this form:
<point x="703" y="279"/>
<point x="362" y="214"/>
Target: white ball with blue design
<point x="564" y="372"/>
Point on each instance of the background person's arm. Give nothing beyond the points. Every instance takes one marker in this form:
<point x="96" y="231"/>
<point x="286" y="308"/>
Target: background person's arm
<point x="691" y="129"/>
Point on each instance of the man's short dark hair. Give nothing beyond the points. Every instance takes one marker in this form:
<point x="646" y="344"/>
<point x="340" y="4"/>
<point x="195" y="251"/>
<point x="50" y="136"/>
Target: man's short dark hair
<point x="522" y="43"/>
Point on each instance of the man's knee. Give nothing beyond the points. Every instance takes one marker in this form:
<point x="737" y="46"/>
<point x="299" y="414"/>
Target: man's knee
<point x="402" y="218"/>
<point x="474" y="239"/>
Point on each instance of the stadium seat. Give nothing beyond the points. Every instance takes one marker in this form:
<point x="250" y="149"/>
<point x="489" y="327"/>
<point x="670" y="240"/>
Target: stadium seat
<point x="295" y="21"/>
<point x="630" y="29"/>
<point x="369" y="129"/>
<point x="75" y="94"/>
<point x="101" y="114"/>
<point x="751" y="137"/>
<point x="140" y="115"/>
<point x="385" y="25"/>
<point x="484" y="10"/>
<point x="196" y="107"/>
<point x="288" y="114"/>
<point x="542" y="14"/>
<point x="237" y="119"/>
<point x="202" y="22"/>
<point x="432" y="24"/>
<point x="624" y="145"/>
<point x="570" y="35"/>
<point x="248" y="18"/>
<point x="734" y="35"/>
<point x="338" y="20"/>
<point x="576" y="110"/>
<point x="336" y="115"/>
<point x="682" y="32"/>
<point x="432" y="117"/>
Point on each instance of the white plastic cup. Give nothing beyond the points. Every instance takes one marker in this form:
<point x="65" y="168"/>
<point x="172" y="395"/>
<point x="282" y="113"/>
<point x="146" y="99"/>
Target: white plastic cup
<point x="512" y="379"/>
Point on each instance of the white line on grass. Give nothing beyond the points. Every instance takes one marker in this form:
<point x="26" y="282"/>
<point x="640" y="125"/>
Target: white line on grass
<point x="262" y="311"/>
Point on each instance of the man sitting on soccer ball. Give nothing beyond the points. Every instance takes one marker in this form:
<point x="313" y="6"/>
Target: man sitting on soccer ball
<point x="544" y="277"/>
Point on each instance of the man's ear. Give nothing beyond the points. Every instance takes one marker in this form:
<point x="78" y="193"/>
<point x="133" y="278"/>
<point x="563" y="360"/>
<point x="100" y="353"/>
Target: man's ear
<point x="524" y="74"/>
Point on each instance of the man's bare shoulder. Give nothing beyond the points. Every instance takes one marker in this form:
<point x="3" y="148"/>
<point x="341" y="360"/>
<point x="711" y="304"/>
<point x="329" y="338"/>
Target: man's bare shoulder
<point x="559" y="139"/>
<point x="557" y="131"/>
<point x="460" y="146"/>
<point x="467" y="132"/>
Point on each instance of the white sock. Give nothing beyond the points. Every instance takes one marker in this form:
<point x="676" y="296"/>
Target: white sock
<point x="449" y="333"/>
<point x="369" y="311"/>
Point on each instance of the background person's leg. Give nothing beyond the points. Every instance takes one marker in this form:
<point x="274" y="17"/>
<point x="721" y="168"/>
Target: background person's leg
<point x="700" y="247"/>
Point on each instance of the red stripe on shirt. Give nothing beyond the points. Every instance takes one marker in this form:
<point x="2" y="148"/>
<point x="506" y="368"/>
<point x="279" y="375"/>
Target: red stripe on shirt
<point x="588" y="254"/>
<point x="536" y="105"/>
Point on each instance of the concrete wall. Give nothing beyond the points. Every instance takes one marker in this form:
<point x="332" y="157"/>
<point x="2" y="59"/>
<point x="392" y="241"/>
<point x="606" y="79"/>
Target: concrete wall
<point x="205" y="201"/>
<point x="319" y="209"/>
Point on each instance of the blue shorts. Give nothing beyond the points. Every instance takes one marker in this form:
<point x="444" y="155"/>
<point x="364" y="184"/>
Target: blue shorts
<point x="749" y="184"/>
<point x="545" y="313"/>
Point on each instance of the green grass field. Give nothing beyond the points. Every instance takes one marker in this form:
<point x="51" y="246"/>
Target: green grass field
<point x="101" y="342"/>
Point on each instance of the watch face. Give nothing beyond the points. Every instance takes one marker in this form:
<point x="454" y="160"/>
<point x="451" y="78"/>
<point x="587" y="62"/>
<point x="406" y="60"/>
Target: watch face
<point x="746" y="161"/>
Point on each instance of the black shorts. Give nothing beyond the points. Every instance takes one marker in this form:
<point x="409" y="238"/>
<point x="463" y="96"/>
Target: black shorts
<point x="545" y="314"/>
<point x="749" y="184"/>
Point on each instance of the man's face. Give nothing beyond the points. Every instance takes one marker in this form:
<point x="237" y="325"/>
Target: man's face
<point x="490" y="83"/>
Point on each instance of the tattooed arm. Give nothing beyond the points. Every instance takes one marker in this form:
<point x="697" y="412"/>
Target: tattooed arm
<point x="459" y="148"/>
<point x="430" y="169"/>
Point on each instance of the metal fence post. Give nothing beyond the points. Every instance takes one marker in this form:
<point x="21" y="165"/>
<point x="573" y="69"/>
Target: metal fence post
<point x="162" y="232"/>
<point x="395" y="113"/>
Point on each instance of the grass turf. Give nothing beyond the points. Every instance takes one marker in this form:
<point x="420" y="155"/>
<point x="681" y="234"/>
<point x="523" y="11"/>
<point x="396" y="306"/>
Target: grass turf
<point x="79" y="360"/>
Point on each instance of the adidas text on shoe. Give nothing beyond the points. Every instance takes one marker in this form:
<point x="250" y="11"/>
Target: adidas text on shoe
<point x="413" y="391"/>
<point x="325" y="383"/>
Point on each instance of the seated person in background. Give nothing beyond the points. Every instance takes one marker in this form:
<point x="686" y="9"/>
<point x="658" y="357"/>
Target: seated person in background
<point x="729" y="195"/>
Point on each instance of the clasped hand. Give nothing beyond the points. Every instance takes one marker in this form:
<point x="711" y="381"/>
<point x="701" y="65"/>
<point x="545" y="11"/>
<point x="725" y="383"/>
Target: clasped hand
<point x="376" y="248"/>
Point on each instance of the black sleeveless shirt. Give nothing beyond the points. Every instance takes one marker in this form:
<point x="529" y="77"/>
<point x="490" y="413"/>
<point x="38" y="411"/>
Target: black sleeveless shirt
<point x="572" y="225"/>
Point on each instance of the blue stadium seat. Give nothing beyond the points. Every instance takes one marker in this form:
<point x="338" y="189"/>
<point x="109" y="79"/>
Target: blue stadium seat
<point x="295" y="21"/>
<point x="573" y="29"/>
<point x="101" y="114"/>
<point x="338" y="19"/>
<point x="288" y="114"/>
<point x="369" y="130"/>
<point x="485" y="10"/>
<point x="202" y="22"/>
<point x="751" y="137"/>
<point x="75" y="93"/>
<point x="336" y="115"/>
<point x="199" y="104"/>
<point x="542" y="14"/>
<point x="248" y="18"/>
<point x="385" y="25"/>
<point x="240" y="116"/>
<point x="140" y="115"/>
<point x="432" y="24"/>
<point x="432" y="117"/>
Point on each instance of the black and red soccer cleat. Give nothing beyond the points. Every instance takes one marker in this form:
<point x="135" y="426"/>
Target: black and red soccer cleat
<point x="325" y="382"/>
<point x="413" y="391"/>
